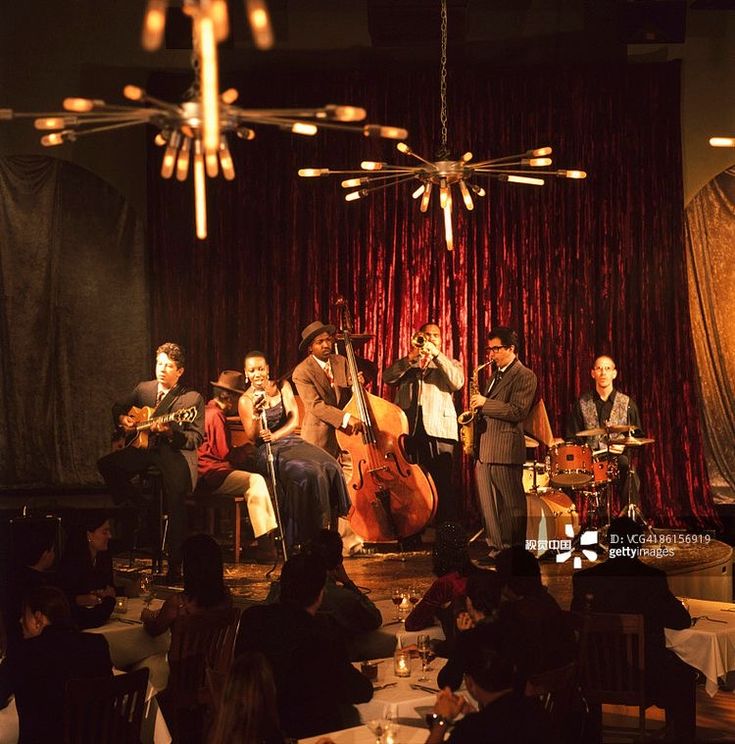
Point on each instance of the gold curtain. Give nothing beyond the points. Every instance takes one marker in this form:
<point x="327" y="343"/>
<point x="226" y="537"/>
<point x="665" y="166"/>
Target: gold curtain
<point x="710" y="227"/>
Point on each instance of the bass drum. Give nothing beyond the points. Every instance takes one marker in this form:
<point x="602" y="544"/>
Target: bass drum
<point x="549" y="513"/>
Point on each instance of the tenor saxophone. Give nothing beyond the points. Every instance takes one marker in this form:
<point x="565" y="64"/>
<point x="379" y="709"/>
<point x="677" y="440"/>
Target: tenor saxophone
<point x="467" y="419"/>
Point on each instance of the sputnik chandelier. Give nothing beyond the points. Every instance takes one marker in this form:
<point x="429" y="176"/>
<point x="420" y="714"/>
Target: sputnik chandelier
<point x="444" y="173"/>
<point x="197" y="128"/>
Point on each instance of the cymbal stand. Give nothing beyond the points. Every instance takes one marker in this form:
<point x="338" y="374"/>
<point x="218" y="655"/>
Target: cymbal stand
<point x="274" y="497"/>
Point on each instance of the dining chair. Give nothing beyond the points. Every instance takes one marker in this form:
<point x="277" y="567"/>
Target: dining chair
<point x="108" y="709"/>
<point x="198" y="641"/>
<point x="558" y="692"/>
<point x="612" y="667"/>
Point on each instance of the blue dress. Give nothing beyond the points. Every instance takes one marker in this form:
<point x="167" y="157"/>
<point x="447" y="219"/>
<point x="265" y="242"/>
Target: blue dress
<point x="310" y="482"/>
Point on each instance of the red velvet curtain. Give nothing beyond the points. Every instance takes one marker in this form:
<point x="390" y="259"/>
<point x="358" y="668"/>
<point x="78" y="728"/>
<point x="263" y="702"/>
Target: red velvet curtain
<point x="579" y="267"/>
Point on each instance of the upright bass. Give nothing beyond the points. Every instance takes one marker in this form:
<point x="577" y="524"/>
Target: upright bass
<point x="392" y="498"/>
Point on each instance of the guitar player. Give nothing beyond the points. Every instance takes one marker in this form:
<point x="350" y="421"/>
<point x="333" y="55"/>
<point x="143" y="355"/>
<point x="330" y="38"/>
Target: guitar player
<point x="171" y="447"/>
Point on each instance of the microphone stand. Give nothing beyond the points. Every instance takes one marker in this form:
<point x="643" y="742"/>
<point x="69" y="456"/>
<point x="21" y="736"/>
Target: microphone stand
<point x="274" y="498"/>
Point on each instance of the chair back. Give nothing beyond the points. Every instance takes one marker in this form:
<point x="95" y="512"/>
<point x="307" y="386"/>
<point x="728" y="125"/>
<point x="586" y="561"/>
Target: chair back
<point x="612" y="661"/>
<point x="558" y="692"/>
<point x="107" y="709"/>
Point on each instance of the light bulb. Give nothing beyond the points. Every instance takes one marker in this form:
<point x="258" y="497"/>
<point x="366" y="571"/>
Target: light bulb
<point x="301" y="127"/>
<point x="540" y="152"/>
<point x="169" y="156"/>
<point x="80" y="105"/>
<point x="133" y="92"/>
<point x="478" y="190"/>
<point x="225" y="159"/>
<point x="211" y="161"/>
<point x="229" y="96"/>
<point x="371" y="165"/>
<point x="420" y="190"/>
<point x="182" y="162"/>
<point x="55" y="122"/>
<point x="426" y="198"/>
<point x="466" y="157"/>
<point x="448" y="234"/>
<point x="313" y="172"/>
<point x="353" y="196"/>
<point x="160" y="140"/>
<point x="573" y="174"/>
<point x="404" y="148"/>
<point x="209" y="87"/>
<point x="51" y="140"/>
<point x="245" y="133"/>
<point x="200" y="193"/>
<point x="523" y="179"/>
<point x="153" y="25"/>
<point x="443" y="194"/>
<point x="466" y="196"/>
<point x="536" y="162"/>
<point x="345" y="113"/>
<point x="220" y="19"/>
<point x="722" y="141"/>
<point x="260" y="23"/>
<point x="375" y="130"/>
<point x="350" y="183"/>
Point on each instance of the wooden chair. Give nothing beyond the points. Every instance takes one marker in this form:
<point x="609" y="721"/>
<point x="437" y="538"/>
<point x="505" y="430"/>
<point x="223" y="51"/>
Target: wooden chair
<point x="612" y="666"/>
<point x="210" y="502"/>
<point x="197" y="641"/>
<point x="108" y="710"/>
<point x="558" y="692"/>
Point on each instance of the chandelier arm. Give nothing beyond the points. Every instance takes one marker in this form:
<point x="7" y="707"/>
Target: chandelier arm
<point x="531" y="172"/>
<point x="318" y="113"/>
<point x="107" y="128"/>
<point x="389" y="177"/>
<point x="509" y="160"/>
<point x="412" y="154"/>
<point x="289" y="122"/>
<point x="383" y="186"/>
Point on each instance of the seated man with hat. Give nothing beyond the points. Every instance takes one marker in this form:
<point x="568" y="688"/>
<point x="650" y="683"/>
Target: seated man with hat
<point x="323" y="383"/>
<point x="221" y="466"/>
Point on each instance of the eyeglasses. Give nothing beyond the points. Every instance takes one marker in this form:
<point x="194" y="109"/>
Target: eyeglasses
<point x="604" y="369"/>
<point x="495" y="349"/>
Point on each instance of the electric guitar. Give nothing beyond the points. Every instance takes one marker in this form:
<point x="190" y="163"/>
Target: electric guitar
<point x="143" y="418"/>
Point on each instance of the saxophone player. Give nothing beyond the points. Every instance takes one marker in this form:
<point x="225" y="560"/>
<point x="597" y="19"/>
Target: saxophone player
<point x="499" y="468"/>
<point x="426" y="379"/>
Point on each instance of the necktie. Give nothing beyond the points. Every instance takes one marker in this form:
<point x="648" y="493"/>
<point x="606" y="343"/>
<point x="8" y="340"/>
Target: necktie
<point x="161" y="395"/>
<point x="494" y="380"/>
<point x="328" y="373"/>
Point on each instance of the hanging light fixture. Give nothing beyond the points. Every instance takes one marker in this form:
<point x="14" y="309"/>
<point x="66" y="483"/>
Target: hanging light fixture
<point x="183" y="127"/>
<point x="444" y="174"/>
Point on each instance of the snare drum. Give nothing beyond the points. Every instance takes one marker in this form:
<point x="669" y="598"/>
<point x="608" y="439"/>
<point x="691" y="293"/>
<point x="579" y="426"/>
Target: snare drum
<point x="570" y="465"/>
<point x="542" y="477"/>
<point x="604" y="471"/>
<point x="549" y="513"/>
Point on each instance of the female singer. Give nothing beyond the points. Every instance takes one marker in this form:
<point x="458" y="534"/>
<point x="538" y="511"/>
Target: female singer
<point x="312" y="488"/>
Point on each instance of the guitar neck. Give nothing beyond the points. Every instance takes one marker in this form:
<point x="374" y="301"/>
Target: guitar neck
<point x="162" y="419"/>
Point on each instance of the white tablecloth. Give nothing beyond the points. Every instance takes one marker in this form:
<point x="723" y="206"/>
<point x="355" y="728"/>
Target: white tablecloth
<point x="709" y="645"/>
<point x="405" y="637"/>
<point x="361" y="735"/>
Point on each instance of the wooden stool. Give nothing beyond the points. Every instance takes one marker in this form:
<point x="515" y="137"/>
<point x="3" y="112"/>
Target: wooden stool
<point x="210" y="502"/>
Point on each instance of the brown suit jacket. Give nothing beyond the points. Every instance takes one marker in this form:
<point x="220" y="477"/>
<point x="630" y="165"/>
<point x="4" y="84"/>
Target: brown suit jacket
<point x="505" y="410"/>
<point x="322" y="402"/>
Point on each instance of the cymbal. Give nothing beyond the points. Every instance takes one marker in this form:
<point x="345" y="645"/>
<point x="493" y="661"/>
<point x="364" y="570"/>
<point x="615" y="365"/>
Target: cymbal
<point x="632" y="441"/>
<point x="531" y="443"/>
<point x="590" y="433"/>
<point x="620" y="428"/>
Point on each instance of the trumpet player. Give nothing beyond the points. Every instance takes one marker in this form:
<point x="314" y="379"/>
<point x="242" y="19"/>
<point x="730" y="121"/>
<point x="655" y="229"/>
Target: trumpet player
<point x="426" y="380"/>
<point x="503" y="408"/>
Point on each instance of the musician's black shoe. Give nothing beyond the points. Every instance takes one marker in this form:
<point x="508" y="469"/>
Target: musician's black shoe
<point x="265" y="553"/>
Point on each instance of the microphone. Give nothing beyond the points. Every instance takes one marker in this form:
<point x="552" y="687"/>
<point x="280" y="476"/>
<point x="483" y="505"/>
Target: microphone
<point x="258" y="398"/>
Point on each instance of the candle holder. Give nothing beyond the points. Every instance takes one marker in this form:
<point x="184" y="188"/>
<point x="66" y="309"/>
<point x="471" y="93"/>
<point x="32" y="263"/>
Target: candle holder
<point x="402" y="663"/>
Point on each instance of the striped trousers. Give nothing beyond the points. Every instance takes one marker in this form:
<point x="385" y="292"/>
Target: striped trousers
<point x="503" y="504"/>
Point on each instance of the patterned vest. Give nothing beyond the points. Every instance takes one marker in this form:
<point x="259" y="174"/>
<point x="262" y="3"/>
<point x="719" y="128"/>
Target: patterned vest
<point x="618" y="415"/>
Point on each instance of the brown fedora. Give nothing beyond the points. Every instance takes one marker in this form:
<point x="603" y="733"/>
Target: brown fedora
<point x="230" y="380"/>
<point x="312" y="331"/>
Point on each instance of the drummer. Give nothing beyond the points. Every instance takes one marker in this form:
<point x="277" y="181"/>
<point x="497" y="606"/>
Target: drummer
<point x="606" y="405"/>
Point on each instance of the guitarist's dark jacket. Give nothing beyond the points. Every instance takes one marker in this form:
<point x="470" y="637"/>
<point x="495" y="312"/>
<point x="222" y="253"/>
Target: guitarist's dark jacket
<point x="186" y="437"/>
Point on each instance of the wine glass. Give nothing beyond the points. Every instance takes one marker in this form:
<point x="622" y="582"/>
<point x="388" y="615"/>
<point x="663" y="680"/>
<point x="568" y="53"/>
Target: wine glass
<point x="377" y="727"/>
<point x="423" y="646"/>
<point x="146" y="589"/>
<point x="397" y="597"/>
<point x="414" y="594"/>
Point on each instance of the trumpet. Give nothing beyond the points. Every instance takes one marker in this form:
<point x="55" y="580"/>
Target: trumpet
<point x="467" y="419"/>
<point x="418" y="339"/>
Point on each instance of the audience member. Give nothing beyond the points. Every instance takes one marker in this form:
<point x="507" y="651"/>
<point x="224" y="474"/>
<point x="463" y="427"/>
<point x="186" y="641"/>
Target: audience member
<point x="204" y="586"/>
<point x="348" y="611"/>
<point x="247" y="712"/>
<point x="85" y="572"/>
<point x="539" y="634"/>
<point x="452" y="565"/>
<point x="481" y="605"/>
<point x="624" y="584"/>
<point x="505" y="714"/>
<point x="33" y="555"/>
<point x="315" y="682"/>
<point x="53" y="652"/>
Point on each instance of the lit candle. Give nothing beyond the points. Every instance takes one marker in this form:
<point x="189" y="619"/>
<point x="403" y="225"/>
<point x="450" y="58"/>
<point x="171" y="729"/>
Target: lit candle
<point x="402" y="664"/>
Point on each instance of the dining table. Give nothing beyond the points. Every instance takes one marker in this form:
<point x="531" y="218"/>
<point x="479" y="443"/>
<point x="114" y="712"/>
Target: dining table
<point x="362" y="735"/>
<point x="709" y="644"/>
<point x="397" y="627"/>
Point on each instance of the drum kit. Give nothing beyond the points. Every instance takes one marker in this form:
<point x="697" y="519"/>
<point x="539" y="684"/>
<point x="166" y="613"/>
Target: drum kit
<point x="590" y="474"/>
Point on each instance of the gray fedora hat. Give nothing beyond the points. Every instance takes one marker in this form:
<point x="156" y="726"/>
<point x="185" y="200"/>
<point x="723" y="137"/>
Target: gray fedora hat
<point x="230" y="380"/>
<point x="312" y="331"/>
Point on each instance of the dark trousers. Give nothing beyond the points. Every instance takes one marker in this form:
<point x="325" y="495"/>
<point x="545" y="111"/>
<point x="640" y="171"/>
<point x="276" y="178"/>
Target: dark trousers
<point x="503" y="504"/>
<point x="119" y="467"/>
<point x="436" y="456"/>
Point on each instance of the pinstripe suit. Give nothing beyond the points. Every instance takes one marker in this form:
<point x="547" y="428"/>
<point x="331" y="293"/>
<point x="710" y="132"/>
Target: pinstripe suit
<point x="322" y="402"/>
<point x="426" y="397"/>
<point x="501" y="453"/>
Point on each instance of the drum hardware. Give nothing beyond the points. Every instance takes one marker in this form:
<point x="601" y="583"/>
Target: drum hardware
<point x="619" y="428"/>
<point x="630" y="441"/>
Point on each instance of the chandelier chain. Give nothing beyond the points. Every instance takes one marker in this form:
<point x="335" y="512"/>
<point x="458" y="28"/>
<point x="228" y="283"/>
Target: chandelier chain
<point x="194" y="91"/>
<point x="443" y="78"/>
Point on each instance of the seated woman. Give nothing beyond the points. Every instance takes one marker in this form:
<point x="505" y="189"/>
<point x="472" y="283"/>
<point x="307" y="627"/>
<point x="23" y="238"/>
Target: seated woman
<point x="53" y="651"/>
<point x="452" y="566"/>
<point x="85" y="572"/>
<point x="204" y="586"/>
<point x="313" y="489"/>
<point x="247" y="712"/>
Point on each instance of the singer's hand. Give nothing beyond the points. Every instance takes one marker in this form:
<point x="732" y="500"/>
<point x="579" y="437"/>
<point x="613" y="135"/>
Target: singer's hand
<point x="477" y="400"/>
<point x="266" y="435"/>
<point x="259" y="401"/>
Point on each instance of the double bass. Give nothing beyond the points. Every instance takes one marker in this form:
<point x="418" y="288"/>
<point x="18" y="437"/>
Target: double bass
<point x="392" y="498"/>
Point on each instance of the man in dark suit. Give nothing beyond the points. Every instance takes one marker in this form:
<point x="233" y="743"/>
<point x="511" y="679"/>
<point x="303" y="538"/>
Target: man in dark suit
<point x="324" y="386"/>
<point x="315" y="682"/>
<point x="624" y="584"/>
<point x="502" y="450"/>
<point x="172" y="447"/>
